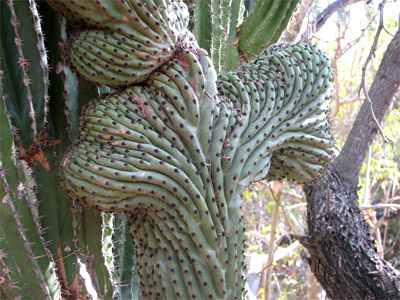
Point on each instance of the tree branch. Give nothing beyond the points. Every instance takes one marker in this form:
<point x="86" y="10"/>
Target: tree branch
<point x="292" y="31"/>
<point x="384" y="86"/>
<point x="330" y="10"/>
<point x="344" y="257"/>
<point x="363" y="84"/>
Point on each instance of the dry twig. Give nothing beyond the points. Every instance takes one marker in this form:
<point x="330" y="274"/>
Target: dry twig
<point x="363" y="85"/>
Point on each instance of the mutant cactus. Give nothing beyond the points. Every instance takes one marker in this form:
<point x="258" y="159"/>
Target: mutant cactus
<point x="175" y="152"/>
<point x="168" y="151"/>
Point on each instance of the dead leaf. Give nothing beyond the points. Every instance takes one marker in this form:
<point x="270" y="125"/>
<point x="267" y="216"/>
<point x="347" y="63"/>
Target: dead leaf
<point x="73" y="291"/>
<point x="61" y="268"/>
<point x="40" y="157"/>
<point x="46" y="140"/>
<point x="5" y="198"/>
<point x="35" y="151"/>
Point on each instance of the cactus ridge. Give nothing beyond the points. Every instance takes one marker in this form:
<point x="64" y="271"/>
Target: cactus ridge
<point x="139" y="152"/>
<point x="23" y="253"/>
<point x="122" y="264"/>
<point x="292" y="109"/>
<point x="176" y="153"/>
<point x="117" y="43"/>
<point x="28" y="62"/>
<point x="264" y="25"/>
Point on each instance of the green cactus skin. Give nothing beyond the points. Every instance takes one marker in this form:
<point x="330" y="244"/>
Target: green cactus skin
<point x="78" y="232"/>
<point x="219" y="29"/>
<point x="230" y="54"/>
<point x="176" y="153"/>
<point x="215" y="28"/>
<point x="124" y="266"/>
<point x="264" y="25"/>
<point x="23" y="253"/>
<point x="23" y="115"/>
<point x="37" y="208"/>
<point x="23" y="57"/>
<point x="121" y="42"/>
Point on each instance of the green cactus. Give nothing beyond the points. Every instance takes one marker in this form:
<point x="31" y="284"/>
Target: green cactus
<point x="23" y="254"/>
<point x="112" y="49"/>
<point x="229" y="29"/>
<point x="264" y="25"/>
<point x="176" y="153"/>
<point x="54" y="232"/>
<point x="169" y="156"/>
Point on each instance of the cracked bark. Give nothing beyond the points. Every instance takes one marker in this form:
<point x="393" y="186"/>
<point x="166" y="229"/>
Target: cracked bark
<point x="343" y="256"/>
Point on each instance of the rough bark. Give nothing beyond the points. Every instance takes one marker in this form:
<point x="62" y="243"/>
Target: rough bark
<point x="384" y="86"/>
<point x="343" y="256"/>
<point x="292" y="31"/>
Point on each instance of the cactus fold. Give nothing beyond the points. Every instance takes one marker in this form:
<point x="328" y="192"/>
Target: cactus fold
<point x="118" y="43"/>
<point x="176" y="152"/>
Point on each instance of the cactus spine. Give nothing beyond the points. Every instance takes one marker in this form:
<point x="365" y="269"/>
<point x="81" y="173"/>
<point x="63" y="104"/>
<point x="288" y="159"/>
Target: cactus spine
<point x="42" y="236"/>
<point x="176" y="152"/>
<point x="264" y="25"/>
<point x="172" y="153"/>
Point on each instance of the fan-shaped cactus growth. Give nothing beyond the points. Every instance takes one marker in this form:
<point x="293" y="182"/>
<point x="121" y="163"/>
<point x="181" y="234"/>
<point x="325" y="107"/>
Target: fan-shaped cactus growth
<point x="176" y="152"/>
<point x="121" y="42"/>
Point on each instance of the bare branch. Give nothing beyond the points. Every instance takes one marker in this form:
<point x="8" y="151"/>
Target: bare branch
<point x="337" y="55"/>
<point x="380" y="206"/>
<point x="351" y="99"/>
<point x="332" y="8"/>
<point x="364" y="68"/>
<point x="383" y="88"/>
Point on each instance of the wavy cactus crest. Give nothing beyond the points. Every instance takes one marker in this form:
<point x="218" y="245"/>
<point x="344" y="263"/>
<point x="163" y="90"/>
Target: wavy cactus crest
<point x="176" y="153"/>
<point x="118" y="43"/>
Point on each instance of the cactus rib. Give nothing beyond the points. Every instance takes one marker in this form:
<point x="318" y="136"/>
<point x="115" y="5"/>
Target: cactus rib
<point x="176" y="153"/>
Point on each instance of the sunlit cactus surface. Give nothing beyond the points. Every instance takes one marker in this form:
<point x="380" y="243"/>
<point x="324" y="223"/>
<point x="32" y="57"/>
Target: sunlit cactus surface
<point x="176" y="152"/>
<point x="168" y="150"/>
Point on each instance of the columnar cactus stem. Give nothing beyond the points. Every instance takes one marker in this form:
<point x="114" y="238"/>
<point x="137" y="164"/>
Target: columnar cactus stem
<point x="264" y="25"/>
<point x="23" y="253"/>
<point x="176" y="153"/>
<point x="24" y="64"/>
<point x="124" y="268"/>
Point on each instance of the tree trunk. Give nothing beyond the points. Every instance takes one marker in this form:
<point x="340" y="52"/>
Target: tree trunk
<point x="343" y="256"/>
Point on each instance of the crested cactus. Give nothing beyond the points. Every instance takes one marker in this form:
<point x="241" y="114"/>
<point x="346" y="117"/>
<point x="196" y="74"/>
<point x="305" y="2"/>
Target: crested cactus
<point x="169" y="151"/>
<point x="121" y="44"/>
<point x="176" y="152"/>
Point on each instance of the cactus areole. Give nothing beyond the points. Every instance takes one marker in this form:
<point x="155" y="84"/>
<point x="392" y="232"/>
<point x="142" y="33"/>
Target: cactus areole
<point x="176" y="151"/>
